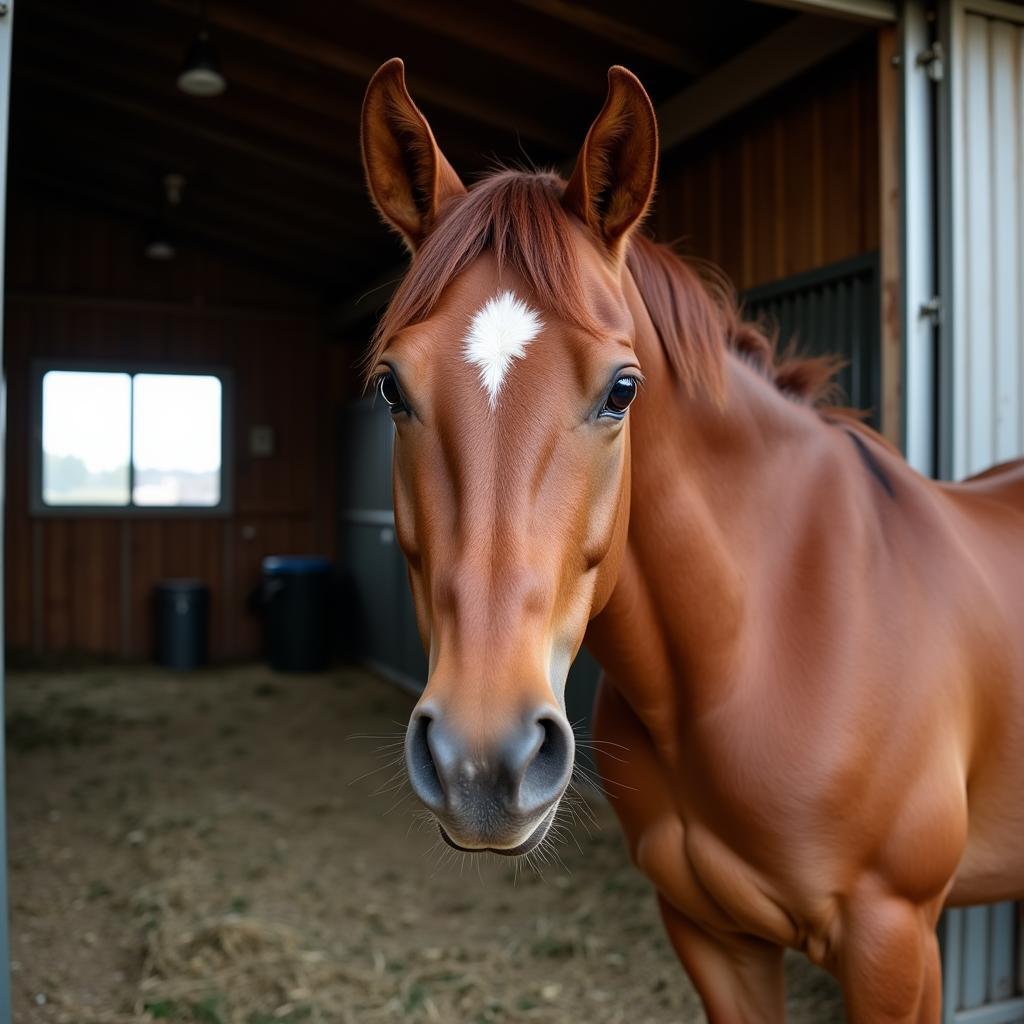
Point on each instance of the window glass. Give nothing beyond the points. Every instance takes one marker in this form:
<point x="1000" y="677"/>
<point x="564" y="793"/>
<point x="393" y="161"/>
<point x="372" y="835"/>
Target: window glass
<point x="86" y="438"/>
<point x="177" y="439"/>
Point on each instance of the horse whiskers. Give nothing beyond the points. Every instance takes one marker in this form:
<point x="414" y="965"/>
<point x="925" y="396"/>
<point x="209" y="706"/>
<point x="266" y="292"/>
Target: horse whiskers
<point x="587" y="742"/>
<point x="583" y="745"/>
<point x="398" y="803"/>
<point x="419" y="820"/>
<point x="380" y="768"/>
<point x="592" y="778"/>
<point x="584" y="740"/>
<point x="564" y="828"/>
<point x="392" y="785"/>
<point x="445" y="854"/>
<point x="596" y="743"/>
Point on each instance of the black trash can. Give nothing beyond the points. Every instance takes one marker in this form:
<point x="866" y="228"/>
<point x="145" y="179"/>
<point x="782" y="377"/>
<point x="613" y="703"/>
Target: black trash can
<point x="296" y="599"/>
<point x="182" y="611"/>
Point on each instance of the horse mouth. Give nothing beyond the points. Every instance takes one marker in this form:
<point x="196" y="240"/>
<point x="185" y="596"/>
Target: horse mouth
<point x="532" y="841"/>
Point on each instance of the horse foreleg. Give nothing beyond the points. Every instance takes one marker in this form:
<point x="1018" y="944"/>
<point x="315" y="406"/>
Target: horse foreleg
<point x="739" y="979"/>
<point x="888" y="961"/>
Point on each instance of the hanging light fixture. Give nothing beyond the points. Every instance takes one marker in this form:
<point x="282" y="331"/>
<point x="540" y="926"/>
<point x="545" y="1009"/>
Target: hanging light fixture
<point x="200" y="73"/>
<point x="160" y="247"/>
<point x="160" y="243"/>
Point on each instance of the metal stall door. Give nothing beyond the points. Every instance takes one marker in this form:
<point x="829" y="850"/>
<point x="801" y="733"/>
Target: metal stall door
<point x="983" y="256"/>
<point x="981" y="394"/>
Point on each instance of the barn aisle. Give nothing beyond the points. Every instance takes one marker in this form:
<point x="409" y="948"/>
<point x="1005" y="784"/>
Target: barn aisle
<point x="210" y="848"/>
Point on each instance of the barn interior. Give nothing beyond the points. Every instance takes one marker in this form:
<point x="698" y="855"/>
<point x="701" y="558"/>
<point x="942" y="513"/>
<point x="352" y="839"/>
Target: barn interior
<point x="212" y="845"/>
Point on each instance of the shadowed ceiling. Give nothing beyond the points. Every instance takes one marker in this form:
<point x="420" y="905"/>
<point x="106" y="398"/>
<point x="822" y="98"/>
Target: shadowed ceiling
<point x="272" y="164"/>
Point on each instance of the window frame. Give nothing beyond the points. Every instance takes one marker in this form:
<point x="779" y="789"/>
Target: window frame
<point x="225" y="507"/>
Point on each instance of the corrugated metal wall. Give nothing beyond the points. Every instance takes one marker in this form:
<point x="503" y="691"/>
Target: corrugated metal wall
<point x="987" y="135"/>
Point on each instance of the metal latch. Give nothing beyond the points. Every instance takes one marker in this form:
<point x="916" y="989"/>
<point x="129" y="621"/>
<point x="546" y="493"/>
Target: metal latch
<point x="931" y="310"/>
<point x="933" y="60"/>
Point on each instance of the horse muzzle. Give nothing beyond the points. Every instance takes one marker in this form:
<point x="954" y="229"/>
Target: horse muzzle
<point x="498" y="795"/>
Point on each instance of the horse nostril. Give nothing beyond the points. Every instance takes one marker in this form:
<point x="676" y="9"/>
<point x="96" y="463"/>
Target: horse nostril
<point x="419" y="762"/>
<point x="547" y="774"/>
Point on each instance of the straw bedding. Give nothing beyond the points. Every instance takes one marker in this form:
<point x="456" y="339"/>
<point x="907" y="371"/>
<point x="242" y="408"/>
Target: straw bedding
<point x="224" y="848"/>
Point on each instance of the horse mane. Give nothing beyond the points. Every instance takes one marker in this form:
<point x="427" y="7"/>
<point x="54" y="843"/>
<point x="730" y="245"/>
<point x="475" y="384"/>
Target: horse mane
<point x="695" y="311"/>
<point x="519" y="217"/>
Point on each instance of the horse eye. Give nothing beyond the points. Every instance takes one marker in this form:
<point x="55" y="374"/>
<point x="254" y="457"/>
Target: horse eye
<point x="622" y="393"/>
<point x="388" y="388"/>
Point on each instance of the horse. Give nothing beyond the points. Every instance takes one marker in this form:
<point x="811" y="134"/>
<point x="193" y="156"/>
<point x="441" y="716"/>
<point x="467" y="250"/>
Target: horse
<point x="812" y="703"/>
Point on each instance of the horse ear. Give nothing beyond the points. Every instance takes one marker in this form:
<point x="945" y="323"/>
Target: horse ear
<point x="407" y="174"/>
<point x="613" y="182"/>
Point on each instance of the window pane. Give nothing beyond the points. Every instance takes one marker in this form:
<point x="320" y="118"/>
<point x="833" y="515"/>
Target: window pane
<point x="86" y="438"/>
<point x="177" y="439"/>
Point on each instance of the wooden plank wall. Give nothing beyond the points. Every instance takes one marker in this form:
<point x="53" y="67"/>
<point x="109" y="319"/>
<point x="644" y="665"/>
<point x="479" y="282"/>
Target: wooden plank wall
<point x="788" y="184"/>
<point x="79" y="287"/>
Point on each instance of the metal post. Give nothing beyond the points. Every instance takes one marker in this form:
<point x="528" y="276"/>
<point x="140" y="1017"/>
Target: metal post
<point x="6" y="28"/>
<point x="922" y="309"/>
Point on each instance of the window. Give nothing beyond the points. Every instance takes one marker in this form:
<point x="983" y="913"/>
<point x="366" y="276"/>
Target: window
<point x="129" y="441"/>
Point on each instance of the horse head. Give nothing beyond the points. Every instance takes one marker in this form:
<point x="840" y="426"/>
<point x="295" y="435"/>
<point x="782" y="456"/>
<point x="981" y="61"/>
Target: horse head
<point x="508" y="360"/>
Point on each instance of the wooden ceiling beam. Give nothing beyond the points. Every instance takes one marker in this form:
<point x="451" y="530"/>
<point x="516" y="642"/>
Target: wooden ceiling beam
<point x="872" y="11"/>
<point x="328" y="54"/>
<point x="621" y="33"/>
<point x="772" y="61"/>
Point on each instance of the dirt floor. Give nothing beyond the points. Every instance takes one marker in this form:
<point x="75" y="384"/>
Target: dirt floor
<point x="216" y="848"/>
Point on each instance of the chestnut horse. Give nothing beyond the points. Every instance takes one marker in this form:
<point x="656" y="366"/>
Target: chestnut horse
<point x="813" y="656"/>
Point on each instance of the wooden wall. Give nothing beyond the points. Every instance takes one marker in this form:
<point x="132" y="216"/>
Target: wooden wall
<point x="788" y="184"/>
<point x="79" y="287"/>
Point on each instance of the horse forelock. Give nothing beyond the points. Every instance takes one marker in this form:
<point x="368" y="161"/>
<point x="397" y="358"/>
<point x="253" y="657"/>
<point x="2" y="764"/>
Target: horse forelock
<point x="518" y="216"/>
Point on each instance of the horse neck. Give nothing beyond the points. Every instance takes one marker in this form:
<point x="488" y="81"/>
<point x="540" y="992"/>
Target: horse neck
<point x="715" y="490"/>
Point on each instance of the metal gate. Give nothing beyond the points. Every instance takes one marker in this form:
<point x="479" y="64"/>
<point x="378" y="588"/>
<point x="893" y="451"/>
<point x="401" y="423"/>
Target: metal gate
<point x="832" y="310"/>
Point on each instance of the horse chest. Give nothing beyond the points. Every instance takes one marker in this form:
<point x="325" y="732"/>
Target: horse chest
<point x="709" y="882"/>
<point x="710" y="842"/>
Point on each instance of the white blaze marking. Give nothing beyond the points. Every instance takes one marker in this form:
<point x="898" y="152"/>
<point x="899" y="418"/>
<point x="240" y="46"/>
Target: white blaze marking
<point x="499" y="333"/>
